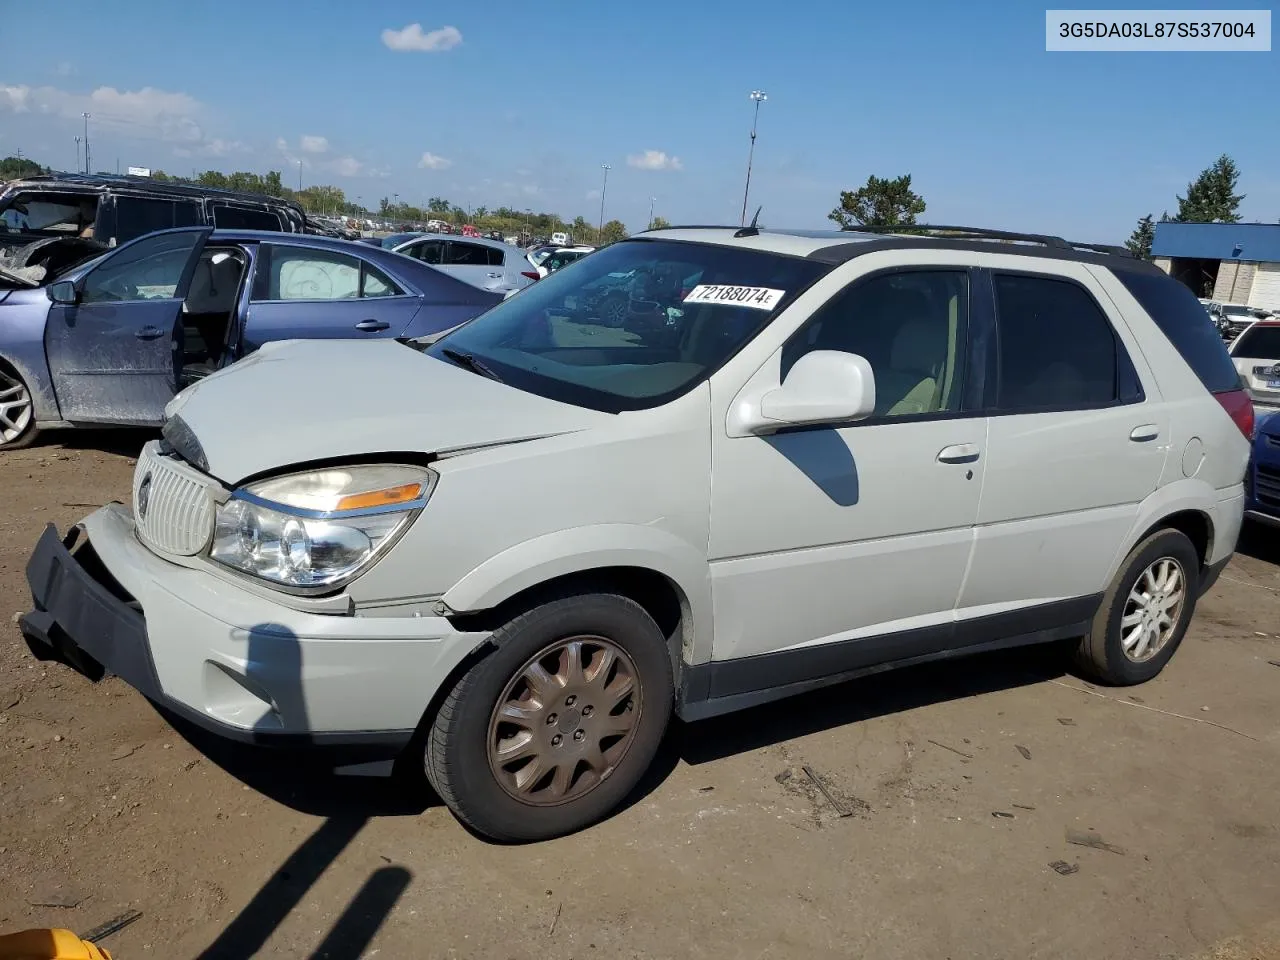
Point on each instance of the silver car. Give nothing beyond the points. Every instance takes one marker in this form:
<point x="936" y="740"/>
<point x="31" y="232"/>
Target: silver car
<point x="488" y="264"/>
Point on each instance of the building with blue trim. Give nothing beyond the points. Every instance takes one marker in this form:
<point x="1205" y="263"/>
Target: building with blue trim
<point x="1226" y="262"/>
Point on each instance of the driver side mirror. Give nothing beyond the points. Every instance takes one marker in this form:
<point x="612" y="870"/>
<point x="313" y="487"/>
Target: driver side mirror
<point x="63" y="291"/>
<point x="823" y="386"/>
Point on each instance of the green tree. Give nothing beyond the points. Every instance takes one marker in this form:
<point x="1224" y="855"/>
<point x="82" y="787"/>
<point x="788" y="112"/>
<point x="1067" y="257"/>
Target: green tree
<point x="612" y="232"/>
<point x="1211" y="197"/>
<point x="438" y="205"/>
<point x="16" y="168"/>
<point x="1140" y="240"/>
<point x="879" y="203"/>
<point x="659" y="223"/>
<point x="580" y="229"/>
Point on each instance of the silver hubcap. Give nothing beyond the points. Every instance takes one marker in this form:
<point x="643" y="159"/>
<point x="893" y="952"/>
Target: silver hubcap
<point x="1152" y="609"/>
<point x="565" y="722"/>
<point x="15" y="408"/>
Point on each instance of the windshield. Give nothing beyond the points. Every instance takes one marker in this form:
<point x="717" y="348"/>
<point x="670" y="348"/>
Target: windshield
<point x="1234" y="311"/>
<point x="634" y="325"/>
<point x="1259" y="343"/>
<point x="48" y="215"/>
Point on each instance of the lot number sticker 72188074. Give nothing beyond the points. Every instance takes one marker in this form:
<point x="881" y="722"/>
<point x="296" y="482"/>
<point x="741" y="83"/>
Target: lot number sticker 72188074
<point x="758" y="298"/>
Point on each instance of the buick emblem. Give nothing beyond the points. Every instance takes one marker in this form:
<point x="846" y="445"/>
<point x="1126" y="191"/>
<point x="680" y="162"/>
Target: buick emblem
<point x="144" y="496"/>
<point x="1275" y="371"/>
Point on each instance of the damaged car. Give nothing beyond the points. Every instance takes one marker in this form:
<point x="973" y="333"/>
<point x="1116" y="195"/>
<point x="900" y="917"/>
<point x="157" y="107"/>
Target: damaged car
<point x="97" y="336"/>
<point x="116" y="209"/>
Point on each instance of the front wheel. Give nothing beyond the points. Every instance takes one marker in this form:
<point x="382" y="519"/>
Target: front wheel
<point x="17" y="411"/>
<point x="1145" y="612"/>
<point x="552" y="730"/>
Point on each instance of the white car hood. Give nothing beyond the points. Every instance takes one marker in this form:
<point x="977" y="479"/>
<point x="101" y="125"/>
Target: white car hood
<point x="298" y="401"/>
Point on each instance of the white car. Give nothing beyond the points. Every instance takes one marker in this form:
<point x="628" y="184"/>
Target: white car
<point x="560" y="258"/>
<point x="1256" y="354"/>
<point x="510" y="555"/>
<point x="560" y="239"/>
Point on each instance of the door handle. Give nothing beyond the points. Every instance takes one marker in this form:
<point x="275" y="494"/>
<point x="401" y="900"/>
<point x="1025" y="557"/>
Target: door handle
<point x="1144" y="433"/>
<point x="149" y="333"/>
<point x="372" y="326"/>
<point x="959" y="453"/>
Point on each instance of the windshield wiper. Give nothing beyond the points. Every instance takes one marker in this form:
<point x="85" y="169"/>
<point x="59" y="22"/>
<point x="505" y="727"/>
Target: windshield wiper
<point x="471" y="363"/>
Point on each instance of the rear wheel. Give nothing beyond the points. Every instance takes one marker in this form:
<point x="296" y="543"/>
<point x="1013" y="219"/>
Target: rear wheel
<point x="551" y="731"/>
<point x="1145" y="612"/>
<point x="17" y="411"/>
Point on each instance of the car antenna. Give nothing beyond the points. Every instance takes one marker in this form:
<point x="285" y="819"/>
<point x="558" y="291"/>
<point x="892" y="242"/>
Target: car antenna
<point x="752" y="230"/>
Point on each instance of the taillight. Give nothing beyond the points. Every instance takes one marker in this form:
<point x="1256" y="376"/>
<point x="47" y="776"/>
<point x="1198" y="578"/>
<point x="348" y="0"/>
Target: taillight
<point x="532" y="275"/>
<point x="1240" y="408"/>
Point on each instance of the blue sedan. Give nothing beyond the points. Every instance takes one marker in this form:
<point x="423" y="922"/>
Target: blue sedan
<point x="1263" y="479"/>
<point x="112" y="339"/>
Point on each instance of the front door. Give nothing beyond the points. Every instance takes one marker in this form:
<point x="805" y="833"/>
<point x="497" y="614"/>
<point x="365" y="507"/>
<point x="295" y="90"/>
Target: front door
<point x="114" y="354"/>
<point x="847" y="545"/>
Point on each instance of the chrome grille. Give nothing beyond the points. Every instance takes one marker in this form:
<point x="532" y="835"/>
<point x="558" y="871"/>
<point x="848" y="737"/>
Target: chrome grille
<point x="177" y="516"/>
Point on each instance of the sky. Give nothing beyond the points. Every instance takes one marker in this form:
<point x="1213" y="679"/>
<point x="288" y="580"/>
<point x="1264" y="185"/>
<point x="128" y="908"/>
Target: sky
<point x="519" y="104"/>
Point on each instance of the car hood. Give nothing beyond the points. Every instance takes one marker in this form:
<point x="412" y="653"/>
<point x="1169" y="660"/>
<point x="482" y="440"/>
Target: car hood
<point x="299" y="401"/>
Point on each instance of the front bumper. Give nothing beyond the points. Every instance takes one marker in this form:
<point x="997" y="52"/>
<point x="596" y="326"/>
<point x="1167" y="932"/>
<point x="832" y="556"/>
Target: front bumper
<point x="229" y="660"/>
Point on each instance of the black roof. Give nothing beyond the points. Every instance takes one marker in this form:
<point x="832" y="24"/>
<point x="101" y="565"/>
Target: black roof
<point x="97" y="182"/>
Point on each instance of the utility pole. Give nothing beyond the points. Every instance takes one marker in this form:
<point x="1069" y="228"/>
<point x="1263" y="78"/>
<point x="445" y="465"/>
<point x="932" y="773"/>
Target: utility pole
<point x="759" y="97"/>
<point x="604" y="188"/>
<point x="77" y="153"/>
<point x="652" y="201"/>
<point x="299" y="176"/>
<point x="87" y="166"/>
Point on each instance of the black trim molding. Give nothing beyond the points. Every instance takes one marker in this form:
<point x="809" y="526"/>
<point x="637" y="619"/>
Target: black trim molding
<point x="721" y="686"/>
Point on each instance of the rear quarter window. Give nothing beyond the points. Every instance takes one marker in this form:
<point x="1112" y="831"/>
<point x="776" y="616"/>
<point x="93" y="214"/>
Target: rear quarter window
<point x="1183" y="320"/>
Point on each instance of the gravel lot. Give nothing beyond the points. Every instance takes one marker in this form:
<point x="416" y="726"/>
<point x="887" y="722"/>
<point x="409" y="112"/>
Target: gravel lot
<point x="953" y="789"/>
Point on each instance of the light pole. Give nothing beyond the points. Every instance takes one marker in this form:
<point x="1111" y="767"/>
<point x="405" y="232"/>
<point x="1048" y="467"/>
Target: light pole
<point x="77" y="153"/>
<point x="86" y="142"/>
<point x="652" y="201"/>
<point x="604" y="188"/>
<point x="299" y="176"/>
<point x="759" y="97"/>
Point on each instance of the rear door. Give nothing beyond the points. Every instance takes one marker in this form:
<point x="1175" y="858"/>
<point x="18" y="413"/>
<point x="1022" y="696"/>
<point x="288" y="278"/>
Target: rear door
<point x="1075" y="443"/>
<point x="475" y="263"/>
<point x="309" y="292"/>
<point x="114" y="355"/>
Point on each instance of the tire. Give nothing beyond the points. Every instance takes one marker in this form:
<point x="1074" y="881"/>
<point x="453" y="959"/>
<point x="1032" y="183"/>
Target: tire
<point x="1102" y="653"/>
<point x="578" y="780"/>
<point x="17" y="411"/>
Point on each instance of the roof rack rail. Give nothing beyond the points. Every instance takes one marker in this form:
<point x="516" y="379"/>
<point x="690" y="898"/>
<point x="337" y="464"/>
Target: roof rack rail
<point x="982" y="233"/>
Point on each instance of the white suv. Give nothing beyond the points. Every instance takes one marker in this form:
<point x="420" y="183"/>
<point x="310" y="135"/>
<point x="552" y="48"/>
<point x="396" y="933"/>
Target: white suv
<point x="793" y="458"/>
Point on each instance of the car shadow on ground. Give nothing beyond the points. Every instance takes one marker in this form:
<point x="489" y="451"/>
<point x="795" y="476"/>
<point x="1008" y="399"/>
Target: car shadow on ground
<point x="124" y="442"/>
<point x="305" y="780"/>
<point x="1260" y="541"/>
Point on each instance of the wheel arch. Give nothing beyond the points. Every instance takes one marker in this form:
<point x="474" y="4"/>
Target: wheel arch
<point x="1190" y="506"/>
<point x="666" y="576"/>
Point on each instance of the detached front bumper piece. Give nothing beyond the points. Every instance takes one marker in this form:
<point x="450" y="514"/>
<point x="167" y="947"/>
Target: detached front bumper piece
<point x="228" y="658"/>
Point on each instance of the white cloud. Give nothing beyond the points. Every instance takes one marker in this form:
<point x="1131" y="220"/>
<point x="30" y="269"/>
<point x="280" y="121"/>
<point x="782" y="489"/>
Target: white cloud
<point x="148" y="113"/>
<point x="346" y="167"/>
<point x="311" y="144"/>
<point x="430" y="161"/>
<point x="282" y="144"/>
<point x="654" y="160"/>
<point x="413" y="37"/>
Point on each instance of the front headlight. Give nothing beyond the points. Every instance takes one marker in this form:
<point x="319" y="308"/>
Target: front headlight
<point x="319" y="529"/>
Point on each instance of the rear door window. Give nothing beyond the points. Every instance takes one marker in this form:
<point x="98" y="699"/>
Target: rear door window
<point x="1178" y="313"/>
<point x="230" y="217"/>
<point x="1057" y="349"/>
<point x="136" y="216"/>
<point x="468" y="255"/>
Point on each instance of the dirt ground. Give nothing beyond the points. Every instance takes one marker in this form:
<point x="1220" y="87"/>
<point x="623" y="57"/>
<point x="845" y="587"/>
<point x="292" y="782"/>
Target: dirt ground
<point x="954" y="791"/>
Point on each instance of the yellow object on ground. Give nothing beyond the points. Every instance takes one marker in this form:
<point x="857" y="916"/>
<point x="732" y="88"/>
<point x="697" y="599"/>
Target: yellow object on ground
<point x="49" y="944"/>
